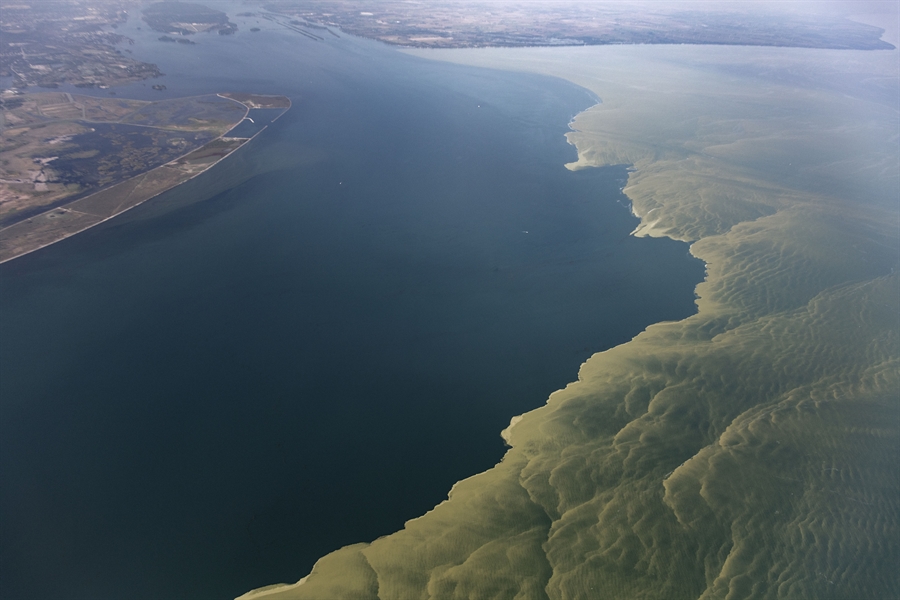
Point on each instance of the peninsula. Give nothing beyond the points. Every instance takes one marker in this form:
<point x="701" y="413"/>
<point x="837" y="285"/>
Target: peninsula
<point x="70" y="162"/>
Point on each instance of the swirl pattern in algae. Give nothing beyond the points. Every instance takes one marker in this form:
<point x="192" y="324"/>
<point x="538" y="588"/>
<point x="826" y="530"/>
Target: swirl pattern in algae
<point x="749" y="451"/>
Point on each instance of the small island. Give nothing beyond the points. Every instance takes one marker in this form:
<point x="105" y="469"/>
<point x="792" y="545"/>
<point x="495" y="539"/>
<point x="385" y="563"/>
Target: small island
<point x="70" y="162"/>
<point x="181" y="40"/>
<point x="185" y="19"/>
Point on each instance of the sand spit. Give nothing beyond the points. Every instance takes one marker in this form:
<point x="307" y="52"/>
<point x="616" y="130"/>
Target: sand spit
<point x="77" y="216"/>
<point x="748" y="451"/>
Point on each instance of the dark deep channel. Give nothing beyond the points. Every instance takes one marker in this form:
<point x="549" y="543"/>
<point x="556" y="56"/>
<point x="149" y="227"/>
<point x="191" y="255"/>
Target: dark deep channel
<point x="310" y="343"/>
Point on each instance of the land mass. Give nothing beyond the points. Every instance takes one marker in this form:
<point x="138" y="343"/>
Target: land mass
<point x="186" y="19"/>
<point x="70" y="162"/>
<point x="474" y="23"/>
<point x="68" y="44"/>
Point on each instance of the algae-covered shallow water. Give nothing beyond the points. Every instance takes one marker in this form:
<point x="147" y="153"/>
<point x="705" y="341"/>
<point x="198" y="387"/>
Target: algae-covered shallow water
<point x="750" y="450"/>
<point x="310" y="343"/>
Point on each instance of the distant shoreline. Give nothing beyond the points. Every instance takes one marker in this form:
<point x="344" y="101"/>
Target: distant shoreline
<point x="395" y="23"/>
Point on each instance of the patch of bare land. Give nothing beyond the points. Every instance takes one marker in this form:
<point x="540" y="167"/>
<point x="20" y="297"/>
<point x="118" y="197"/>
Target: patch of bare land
<point x="70" y="162"/>
<point x="68" y="44"/>
<point x="479" y="23"/>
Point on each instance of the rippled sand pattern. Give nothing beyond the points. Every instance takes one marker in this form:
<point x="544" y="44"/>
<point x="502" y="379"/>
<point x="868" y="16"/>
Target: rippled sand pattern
<point x="750" y="451"/>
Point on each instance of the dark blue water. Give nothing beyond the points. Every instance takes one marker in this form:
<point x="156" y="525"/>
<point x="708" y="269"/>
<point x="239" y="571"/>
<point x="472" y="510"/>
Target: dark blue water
<point x="307" y="345"/>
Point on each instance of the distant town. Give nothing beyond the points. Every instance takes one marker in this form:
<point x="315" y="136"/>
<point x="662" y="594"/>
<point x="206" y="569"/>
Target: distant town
<point x="76" y="43"/>
<point x="71" y="44"/>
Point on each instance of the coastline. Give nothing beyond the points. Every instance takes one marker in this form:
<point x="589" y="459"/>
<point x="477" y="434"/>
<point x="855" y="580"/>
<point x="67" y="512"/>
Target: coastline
<point x="39" y="231"/>
<point x="628" y="475"/>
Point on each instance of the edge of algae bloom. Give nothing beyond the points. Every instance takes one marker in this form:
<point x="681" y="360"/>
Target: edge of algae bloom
<point x="748" y="451"/>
